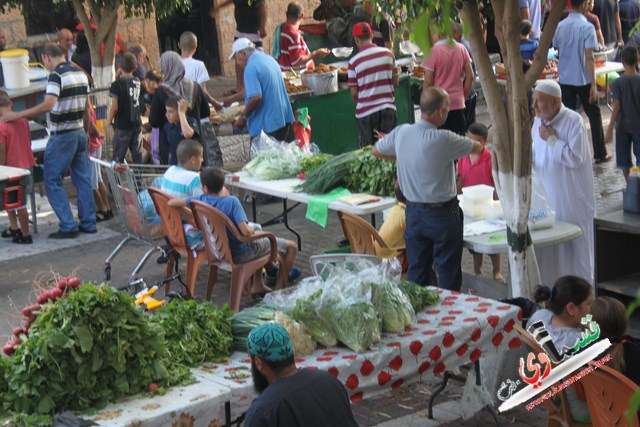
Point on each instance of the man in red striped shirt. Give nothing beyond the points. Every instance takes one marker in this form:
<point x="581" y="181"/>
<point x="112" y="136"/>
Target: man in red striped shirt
<point x="373" y="75"/>
<point x="294" y="53"/>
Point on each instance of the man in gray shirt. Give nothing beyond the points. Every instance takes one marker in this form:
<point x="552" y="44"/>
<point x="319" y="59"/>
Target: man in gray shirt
<point x="426" y="171"/>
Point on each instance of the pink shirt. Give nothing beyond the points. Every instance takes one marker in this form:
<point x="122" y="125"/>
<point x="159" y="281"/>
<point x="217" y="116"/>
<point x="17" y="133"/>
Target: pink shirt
<point x="447" y="63"/>
<point x="476" y="173"/>
<point x="16" y="138"/>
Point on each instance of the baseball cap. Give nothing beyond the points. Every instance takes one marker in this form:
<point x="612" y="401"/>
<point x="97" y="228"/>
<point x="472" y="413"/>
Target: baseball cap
<point x="362" y="29"/>
<point x="271" y="342"/>
<point x="240" y="44"/>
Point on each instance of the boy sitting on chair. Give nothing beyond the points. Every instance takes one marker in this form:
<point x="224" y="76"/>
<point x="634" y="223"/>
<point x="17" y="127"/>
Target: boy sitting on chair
<point x="216" y="195"/>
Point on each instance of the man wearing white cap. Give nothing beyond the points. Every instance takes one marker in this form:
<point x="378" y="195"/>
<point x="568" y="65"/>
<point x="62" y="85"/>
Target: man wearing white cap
<point x="267" y="106"/>
<point x="563" y="161"/>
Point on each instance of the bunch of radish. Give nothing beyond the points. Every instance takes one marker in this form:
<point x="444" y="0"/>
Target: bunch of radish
<point x="62" y="287"/>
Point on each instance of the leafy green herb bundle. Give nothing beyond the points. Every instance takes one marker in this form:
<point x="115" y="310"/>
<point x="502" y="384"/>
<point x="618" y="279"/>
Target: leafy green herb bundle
<point x="329" y="175"/>
<point x="85" y="350"/>
<point x="195" y="333"/>
<point x="371" y="175"/>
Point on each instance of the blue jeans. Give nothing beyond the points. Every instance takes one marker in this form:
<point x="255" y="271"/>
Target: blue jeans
<point x="624" y="143"/>
<point x="68" y="151"/>
<point x="434" y="235"/>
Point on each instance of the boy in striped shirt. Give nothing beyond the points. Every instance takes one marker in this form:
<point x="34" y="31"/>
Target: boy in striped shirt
<point x="373" y="75"/>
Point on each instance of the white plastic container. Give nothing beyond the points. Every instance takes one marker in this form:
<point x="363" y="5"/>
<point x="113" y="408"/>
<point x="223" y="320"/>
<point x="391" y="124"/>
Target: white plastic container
<point x="15" y="68"/>
<point x="478" y="194"/>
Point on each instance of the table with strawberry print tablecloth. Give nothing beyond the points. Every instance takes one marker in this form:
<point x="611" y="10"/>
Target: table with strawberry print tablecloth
<point x="458" y="330"/>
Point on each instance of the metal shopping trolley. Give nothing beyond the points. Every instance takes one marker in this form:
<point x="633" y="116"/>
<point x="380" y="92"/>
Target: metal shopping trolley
<point x="137" y="214"/>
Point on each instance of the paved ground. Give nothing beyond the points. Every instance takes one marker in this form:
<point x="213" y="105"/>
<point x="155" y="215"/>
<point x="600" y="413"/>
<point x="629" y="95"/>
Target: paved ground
<point x="405" y="407"/>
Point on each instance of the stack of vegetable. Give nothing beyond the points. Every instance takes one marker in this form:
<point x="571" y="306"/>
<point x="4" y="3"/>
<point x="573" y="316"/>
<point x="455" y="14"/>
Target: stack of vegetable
<point x="277" y="161"/>
<point x="81" y="348"/>
<point x="195" y="333"/>
<point x="419" y="296"/>
<point x="309" y="164"/>
<point x="359" y="171"/>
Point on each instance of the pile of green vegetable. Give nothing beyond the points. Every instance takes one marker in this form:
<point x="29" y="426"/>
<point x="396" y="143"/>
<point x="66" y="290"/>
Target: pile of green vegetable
<point x="195" y="333"/>
<point x="84" y="349"/>
<point x="309" y="164"/>
<point x="393" y="306"/>
<point x="319" y="328"/>
<point x="277" y="161"/>
<point x="359" y="171"/>
<point x="245" y="320"/>
<point x="419" y="296"/>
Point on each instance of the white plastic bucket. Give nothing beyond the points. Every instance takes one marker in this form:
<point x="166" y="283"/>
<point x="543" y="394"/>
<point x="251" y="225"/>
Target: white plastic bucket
<point x="321" y="83"/>
<point x="15" y="68"/>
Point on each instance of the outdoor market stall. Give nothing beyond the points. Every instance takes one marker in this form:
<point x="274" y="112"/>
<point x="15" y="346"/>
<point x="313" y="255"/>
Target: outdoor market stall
<point x="458" y="330"/>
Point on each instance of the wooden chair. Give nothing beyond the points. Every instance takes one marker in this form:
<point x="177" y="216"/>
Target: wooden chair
<point x="214" y="225"/>
<point x="174" y="231"/>
<point x="557" y="407"/>
<point x="608" y="393"/>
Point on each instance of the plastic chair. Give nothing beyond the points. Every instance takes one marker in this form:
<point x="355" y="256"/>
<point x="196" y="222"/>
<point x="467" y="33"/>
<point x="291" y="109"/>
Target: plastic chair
<point x="362" y="236"/>
<point x="174" y="231"/>
<point x="214" y="225"/>
<point x="318" y="262"/>
<point x="557" y="407"/>
<point x="608" y="393"/>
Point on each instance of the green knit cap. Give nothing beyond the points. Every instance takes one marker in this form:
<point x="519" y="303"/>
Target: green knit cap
<point x="270" y="342"/>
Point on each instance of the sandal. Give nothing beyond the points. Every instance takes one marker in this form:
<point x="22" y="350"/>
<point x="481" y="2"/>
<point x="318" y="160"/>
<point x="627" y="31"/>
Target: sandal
<point x="10" y="232"/>
<point x="104" y="216"/>
<point x="24" y="240"/>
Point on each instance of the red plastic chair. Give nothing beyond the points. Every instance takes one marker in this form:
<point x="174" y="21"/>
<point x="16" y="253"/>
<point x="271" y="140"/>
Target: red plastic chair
<point x="174" y="231"/>
<point x="214" y="226"/>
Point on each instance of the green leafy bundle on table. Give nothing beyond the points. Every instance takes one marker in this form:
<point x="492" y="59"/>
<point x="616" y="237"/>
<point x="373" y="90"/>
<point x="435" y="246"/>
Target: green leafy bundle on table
<point x="277" y="161"/>
<point x="195" y="333"/>
<point x="393" y="306"/>
<point x="371" y="175"/>
<point x="245" y="320"/>
<point x="356" y="325"/>
<point x="419" y="296"/>
<point x="328" y="175"/>
<point x="89" y="347"/>
<point x="305" y="311"/>
<point x="309" y="164"/>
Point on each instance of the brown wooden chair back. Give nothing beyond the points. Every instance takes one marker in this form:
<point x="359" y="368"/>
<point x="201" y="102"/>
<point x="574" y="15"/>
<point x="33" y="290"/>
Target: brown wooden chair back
<point x="171" y="219"/>
<point x="360" y="233"/>
<point x="608" y="393"/>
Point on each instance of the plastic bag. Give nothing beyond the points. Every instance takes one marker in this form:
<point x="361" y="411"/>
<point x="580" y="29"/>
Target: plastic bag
<point x="540" y="215"/>
<point x="273" y="159"/>
<point x="302" y="127"/>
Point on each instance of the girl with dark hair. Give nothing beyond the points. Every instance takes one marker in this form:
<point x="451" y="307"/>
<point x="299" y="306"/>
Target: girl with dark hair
<point x="568" y="302"/>
<point x="611" y="316"/>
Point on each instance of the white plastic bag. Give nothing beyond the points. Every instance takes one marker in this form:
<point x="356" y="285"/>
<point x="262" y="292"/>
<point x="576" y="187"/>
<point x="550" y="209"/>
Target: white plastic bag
<point x="540" y="215"/>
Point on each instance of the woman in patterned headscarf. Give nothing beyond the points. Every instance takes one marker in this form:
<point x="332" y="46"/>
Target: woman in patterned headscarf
<point x="174" y="83"/>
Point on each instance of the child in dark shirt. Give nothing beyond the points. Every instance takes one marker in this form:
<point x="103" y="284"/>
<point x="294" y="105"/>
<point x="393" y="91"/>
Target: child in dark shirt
<point x="179" y="126"/>
<point x="125" y="109"/>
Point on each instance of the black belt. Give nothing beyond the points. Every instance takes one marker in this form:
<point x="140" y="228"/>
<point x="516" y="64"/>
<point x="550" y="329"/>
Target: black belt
<point x="62" y="132"/>
<point x="441" y="205"/>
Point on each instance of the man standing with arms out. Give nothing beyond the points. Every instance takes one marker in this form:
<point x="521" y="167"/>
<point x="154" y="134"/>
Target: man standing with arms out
<point x="576" y="40"/>
<point x="294" y="53"/>
<point x="562" y="160"/>
<point x="65" y="41"/>
<point x="609" y="13"/>
<point x="449" y="67"/>
<point x="373" y="75"/>
<point x="290" y="396"/>
<point x="532" y="10"/>
<point x="65" y="100"/>
<point x="267" y="106"/>
<point x="425" y="157"/>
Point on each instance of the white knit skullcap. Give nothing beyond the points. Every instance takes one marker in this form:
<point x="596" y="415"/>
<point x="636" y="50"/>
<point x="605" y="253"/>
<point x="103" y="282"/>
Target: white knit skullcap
<point x="550" y="87"/>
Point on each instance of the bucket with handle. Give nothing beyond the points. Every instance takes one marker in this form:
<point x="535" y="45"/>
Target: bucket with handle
<point x="15" y="68"/>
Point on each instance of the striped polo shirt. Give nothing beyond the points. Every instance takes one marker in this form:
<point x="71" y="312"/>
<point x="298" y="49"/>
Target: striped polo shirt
<point x="371" y="72"/>
<point x="71" y="87"/>
<point x="179" y="182"/>
<point x="292" y="49"/>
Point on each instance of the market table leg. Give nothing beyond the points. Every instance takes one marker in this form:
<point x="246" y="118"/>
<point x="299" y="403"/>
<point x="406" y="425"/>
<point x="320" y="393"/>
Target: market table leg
<point x="227" y="414"/>
<point x="285" y="217"/>
<point x="373" y="220"/>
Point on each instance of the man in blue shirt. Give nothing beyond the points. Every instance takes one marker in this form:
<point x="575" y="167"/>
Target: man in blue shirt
<point x="575" y="39"/>
<point x="267" y="106"/>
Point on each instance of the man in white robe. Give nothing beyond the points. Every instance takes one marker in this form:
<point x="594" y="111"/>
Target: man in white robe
<point x="563" y="161"/>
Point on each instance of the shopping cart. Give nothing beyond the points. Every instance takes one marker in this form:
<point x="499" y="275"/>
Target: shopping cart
<point x="137" y="214"/>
